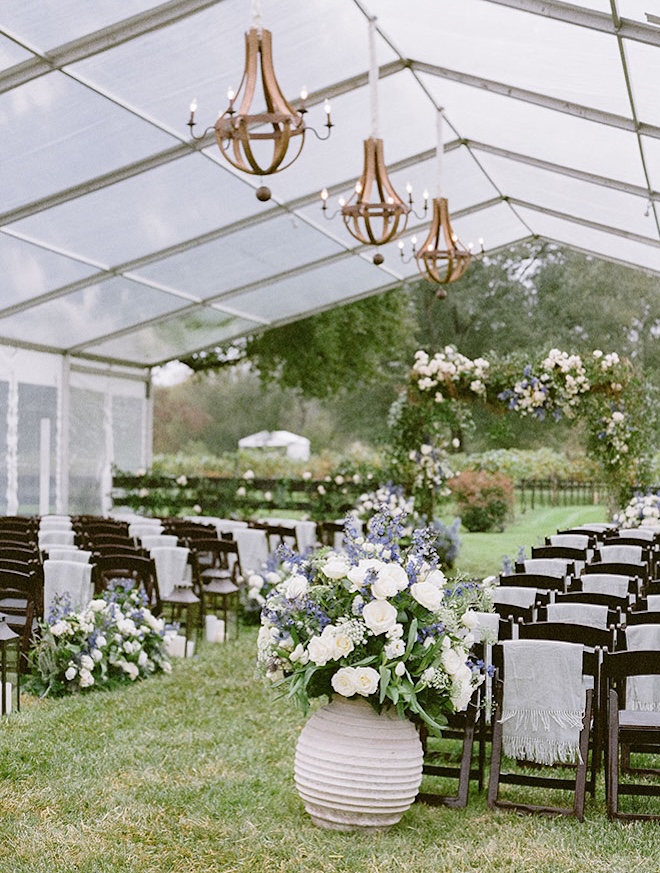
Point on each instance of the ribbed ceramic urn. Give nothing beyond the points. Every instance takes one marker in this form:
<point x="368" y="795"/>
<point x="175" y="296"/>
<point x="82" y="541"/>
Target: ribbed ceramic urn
<point x="356" y="769"/>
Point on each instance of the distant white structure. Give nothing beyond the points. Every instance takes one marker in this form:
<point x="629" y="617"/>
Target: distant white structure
<point x="296" y="446"/>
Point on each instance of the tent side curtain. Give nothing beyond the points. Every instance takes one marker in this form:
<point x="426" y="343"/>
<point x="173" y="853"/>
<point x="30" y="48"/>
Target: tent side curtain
<point x="63" y="430"/>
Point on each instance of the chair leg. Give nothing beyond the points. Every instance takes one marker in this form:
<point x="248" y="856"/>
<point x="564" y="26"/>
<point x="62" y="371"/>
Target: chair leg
<point x="612" y="758"/>
<point x="495" y="760"/>
<point x="583" y="765"/>
<point x="463" y="772"/>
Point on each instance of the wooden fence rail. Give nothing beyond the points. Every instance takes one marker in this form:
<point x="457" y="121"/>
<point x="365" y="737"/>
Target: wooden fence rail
<point x="321" y="499"/>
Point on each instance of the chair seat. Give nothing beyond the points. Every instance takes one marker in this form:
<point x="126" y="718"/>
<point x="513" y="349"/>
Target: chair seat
<point x="220" y="586"/>
<point x="181" y="595"/>
<point x="638" y="719"/>
<point x="216" y="573"/>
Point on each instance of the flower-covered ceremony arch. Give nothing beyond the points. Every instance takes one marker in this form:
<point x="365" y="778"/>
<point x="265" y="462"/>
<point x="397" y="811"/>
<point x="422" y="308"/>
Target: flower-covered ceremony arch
<point x="603" y="390"/>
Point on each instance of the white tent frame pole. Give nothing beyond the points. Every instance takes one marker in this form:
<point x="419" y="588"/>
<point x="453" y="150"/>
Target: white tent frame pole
<point x="63" y="435"/>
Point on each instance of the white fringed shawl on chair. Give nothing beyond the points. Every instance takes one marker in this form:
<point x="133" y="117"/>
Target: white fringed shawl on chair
<point x="543" y="701"/>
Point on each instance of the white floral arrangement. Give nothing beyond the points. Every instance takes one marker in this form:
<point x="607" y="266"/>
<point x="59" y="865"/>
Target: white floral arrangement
<point x="432" y="470"/>
<point x="554" y="389"/>
<point x="438" y="372"/>
<point x="643" y="510"/>
<point x="115" y="640"/>
<point x="258" y="586"/>
<point x="388" y="496"/>
<point x="375" y="622"/>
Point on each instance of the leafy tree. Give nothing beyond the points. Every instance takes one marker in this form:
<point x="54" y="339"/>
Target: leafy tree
<point x="329" y="353"/>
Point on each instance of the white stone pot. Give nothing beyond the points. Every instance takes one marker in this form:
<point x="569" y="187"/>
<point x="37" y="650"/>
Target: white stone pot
<point x="356" y="769"/>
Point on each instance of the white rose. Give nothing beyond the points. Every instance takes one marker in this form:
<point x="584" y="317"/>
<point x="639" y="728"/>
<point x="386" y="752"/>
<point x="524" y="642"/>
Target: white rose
<point x="366" y="680"/>
<point x="342" y="644"/>
<point x="358" y="574"/>
<point x="86" y="679"/>
<point x="86" y="663"/>
<point x="392" y="576"/>
<point x="453" y="660"/>
<point x="71" y="673"/>
<point x="470" y="619"/>
<point x="299" y="655"/>
<point x="436" y="577"/>
<point x="296" y="586"/>
<point x="427" y="595"/>
<point x="320" y="651"/>
<point x="97" y="655"/>
<point x="97" y="605"/>
<point x="383" y="588"/>
<point x="379" y="616"/>
<point x="59" y="628"/>
<point x="336" y="567"/>
<point x="400" y="668"/>
<point x="343" y="681"/>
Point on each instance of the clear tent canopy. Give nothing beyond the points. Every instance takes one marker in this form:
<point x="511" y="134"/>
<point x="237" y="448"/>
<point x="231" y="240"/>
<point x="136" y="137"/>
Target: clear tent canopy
<point x="125" y="243"/>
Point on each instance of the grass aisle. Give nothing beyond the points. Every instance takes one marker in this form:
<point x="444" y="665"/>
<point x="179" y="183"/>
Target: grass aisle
<point x="481" y="554"/>
<point x="193" y="772"/>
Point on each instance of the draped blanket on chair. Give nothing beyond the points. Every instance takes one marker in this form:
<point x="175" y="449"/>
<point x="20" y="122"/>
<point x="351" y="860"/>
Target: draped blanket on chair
<point x="543" y="701"/>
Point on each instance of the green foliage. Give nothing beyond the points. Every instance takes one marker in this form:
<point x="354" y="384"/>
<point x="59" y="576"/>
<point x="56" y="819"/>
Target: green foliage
<point x="326" y="354"/>
<point x="602" y="390"/>
<point x="534" y="464"/>
<point x="484" y="500"/>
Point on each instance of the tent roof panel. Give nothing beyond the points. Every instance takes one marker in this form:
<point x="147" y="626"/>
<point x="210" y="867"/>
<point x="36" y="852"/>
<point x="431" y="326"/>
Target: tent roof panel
<point x="124" y="241"/>
<point x="29" y="271"/>
<point x="528" y="51"/>
<point x="171" y="338"/>
<point x="84" y="315"/>
<point x="49" y="24"/>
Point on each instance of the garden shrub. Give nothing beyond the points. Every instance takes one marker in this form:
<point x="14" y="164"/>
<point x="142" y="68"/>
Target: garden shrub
<point x="484" y="500"/>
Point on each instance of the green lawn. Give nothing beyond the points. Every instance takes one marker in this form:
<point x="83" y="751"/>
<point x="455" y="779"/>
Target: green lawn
<point x="193" y="772"/>
<point x="481" y="554"/>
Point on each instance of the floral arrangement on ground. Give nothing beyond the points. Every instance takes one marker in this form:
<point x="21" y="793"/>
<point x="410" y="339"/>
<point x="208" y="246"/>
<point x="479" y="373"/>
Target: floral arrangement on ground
<point x="643" y="510"/>
<point x="115" y="640"/>
<point x="380" y="622"/>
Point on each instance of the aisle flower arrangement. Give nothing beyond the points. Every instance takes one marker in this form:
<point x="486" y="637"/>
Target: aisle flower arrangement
<point x="379" y="622"/>
<point x="115" y="640"/>
<point x="258" y="586"/>
<point x="388" y="495"/>
<point x="642" y="510"/>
